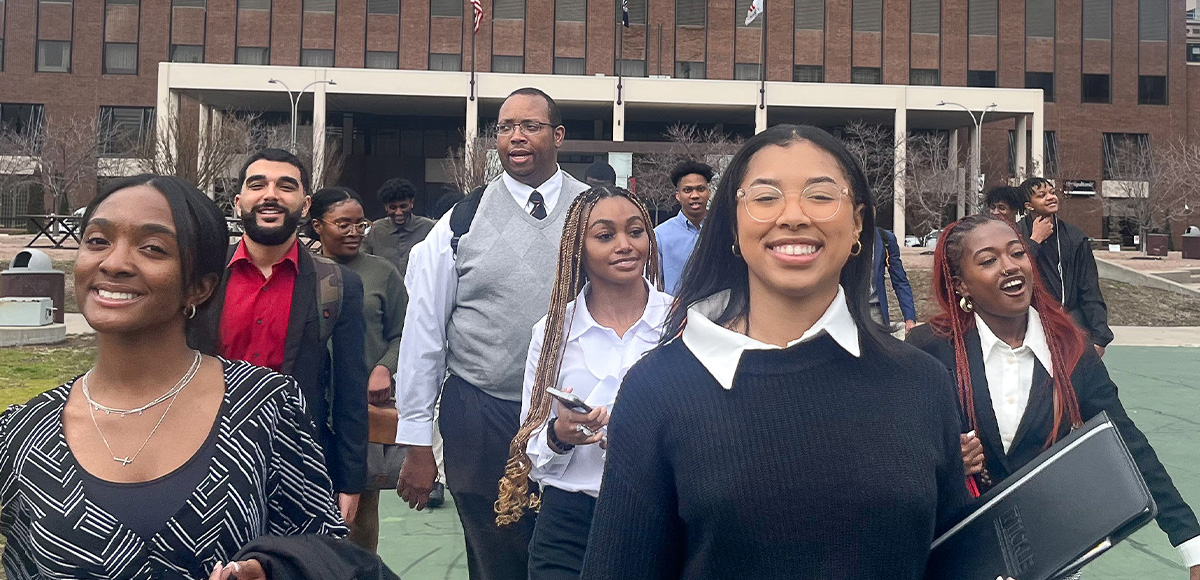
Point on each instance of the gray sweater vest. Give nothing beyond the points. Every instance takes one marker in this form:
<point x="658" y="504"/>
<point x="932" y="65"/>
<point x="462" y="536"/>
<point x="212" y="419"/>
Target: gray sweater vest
<point x="506" y="267"/>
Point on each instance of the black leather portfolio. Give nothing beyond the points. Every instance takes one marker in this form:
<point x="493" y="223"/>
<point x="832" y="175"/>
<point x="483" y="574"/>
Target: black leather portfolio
<point x="1052" y="516"/>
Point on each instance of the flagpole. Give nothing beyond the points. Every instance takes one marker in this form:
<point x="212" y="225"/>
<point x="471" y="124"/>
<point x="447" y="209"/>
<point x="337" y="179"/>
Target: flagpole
<point x="620" y="46"/>
<point x="473" y="34"/>
<point x="762" y="75"/>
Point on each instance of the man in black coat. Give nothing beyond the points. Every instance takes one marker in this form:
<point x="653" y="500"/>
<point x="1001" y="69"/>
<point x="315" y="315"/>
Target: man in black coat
<point x="280" y="307"/>
<point x="1064" y="258"/>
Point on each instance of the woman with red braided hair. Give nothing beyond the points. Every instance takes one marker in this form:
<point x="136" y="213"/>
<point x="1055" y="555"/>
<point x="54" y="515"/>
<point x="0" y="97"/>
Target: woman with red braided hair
<point x="1025" y="374"/>
<point x="606" y="311"/>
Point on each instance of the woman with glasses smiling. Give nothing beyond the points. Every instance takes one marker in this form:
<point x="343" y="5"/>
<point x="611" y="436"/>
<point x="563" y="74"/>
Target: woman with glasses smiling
<point x="338" y="220"/>
<point x="772" y="383"/>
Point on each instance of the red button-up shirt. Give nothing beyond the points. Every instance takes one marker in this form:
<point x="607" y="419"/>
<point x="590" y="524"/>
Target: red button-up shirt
<point x="254" y="319"/>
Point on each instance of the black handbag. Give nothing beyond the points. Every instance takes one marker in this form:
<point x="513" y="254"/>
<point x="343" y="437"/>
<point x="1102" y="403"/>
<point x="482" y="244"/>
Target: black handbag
<point x="1054" y="515"/>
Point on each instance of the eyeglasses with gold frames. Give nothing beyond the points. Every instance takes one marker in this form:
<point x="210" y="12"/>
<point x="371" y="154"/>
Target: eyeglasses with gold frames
<point x="344" y="228"/>
<point x="820" y="201"/>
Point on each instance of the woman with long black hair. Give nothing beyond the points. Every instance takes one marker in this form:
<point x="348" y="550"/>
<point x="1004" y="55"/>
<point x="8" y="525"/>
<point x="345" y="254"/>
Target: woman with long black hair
<point x="773" y="384"/>
<point x="1026" y="375"/>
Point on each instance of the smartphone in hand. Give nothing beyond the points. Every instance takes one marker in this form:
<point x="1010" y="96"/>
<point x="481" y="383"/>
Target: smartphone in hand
<point x="571" y="401"/>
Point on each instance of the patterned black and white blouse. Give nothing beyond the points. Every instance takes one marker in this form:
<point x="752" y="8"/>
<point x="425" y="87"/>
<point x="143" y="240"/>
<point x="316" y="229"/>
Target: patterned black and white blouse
<point x="267" y="476"/>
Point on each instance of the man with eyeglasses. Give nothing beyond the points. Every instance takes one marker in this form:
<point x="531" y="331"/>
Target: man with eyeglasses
<point x="677" y="236"/>
<point x="280" y="307"/>
<point x="393" y="237"/>
<point x="473" y="300"/>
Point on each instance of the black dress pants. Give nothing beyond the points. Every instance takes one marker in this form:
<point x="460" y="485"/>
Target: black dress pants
<point x="477" y="429"/>
<point x="560" y="535"/>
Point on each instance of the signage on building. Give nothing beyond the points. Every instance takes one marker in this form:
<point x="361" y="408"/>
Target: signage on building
<point x="1079" y="186"/>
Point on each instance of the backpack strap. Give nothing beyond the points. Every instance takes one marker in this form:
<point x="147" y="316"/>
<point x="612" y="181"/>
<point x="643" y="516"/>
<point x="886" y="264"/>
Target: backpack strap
<point x="329" y="294"/>
<point x="463" y="214"/>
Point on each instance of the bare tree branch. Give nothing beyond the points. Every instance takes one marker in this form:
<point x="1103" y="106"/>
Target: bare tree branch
<point x="653" y="171"/>
<point x="474" y="163"/>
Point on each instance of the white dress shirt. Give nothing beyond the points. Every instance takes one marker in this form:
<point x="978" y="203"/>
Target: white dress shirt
<point x="432" y="283"/>
<point x="720" y="349"/>
<point x="594" y="363"/>
<point x="1009" y="372"/>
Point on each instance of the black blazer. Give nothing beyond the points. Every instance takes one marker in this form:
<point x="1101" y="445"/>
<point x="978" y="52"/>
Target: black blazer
<point x="1095" y="391"/>
<point x="333" y="377"/>
<point x="1080" y="278"/>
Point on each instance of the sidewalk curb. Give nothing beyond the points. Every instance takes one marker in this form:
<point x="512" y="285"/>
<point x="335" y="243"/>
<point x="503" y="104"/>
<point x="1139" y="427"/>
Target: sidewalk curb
<point x="1114" y="271"/>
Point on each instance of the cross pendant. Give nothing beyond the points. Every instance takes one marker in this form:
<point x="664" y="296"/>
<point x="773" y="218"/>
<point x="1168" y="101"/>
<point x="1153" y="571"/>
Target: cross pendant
<point x="123" y="460"/>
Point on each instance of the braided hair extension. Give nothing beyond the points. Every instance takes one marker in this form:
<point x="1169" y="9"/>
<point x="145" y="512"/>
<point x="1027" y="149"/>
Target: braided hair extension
<point x="1063" y="339"/>
<point x="514" y="495"/>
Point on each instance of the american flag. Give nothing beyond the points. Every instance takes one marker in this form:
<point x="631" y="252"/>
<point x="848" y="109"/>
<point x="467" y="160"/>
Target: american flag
<point x="477" y="8"/>
<point x="625" y="13"/>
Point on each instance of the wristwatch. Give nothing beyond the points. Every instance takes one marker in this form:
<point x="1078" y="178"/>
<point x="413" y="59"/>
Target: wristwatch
<point x="559" y="445"/>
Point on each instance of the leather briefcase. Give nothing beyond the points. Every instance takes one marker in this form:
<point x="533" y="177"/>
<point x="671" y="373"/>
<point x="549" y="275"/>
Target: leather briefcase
<point x="1055" y="514"/>
<point x="384" y="457"/>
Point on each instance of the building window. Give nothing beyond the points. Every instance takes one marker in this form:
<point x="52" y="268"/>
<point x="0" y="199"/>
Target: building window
<point x="56" y="1"/>
<point x="866" y="75"/>
<point x="386" y="7"/>
<point x="570" y="66"/>
<point x="1049" y="151"/>
<point x="1041" y="80"/>
<point x="252" y="55"/>
<point x="747" y="71"/>
<point x="637" y="13"/>
<point x="926" y="16"/>
<point x="982" y="17"/>
<point x="1039" y="18"/>
<point x="810" y="14"/>
<point x="316" y="57"/>
<point x="22" y="119"/>
<point x="125" y="130"/>
<point x="689" y="70"/>
<point x="1152" y="90"/>
<point x="741" y="7"/>
<point x="1193" y="52"/>
<point x="690" y="13"/>
<point x="188" y="3"/>
<point x="446" y="8"/>
<point x="981" y="78"/>
<point x="508" y="64"/>
<point x="187" y="53"/>
<point x="509" y="10"/>
<point x="123" y="2"/>
<point x="1124" y="154"/>
<point x="1" y="55"/>
<point x="1097" y="19"/>
<point x="1097" y="89"/>
<point x="379" y="59"/>
<point x="53" y="56"/>
<point x="320" y="6"/>
<point x="570" y="10"/>
<point x="254" y="4"/>
<point x="868" y="15"/>
<point x="633" y="67"/>
<point x="1152" y="20"/>
<point x="807" y="73"/>
<point x="924" y="76"/>
<point x="450" y="62"/>
<point x="120" y="58"/>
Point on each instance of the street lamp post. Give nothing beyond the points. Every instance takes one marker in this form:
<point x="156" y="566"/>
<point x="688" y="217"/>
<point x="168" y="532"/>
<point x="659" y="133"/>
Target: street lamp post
<point x="976" y="149"/>
<point x="294" y="98"/>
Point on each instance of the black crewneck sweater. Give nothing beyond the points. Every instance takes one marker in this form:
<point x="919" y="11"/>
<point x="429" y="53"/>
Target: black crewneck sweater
<point x="816" y="464"/>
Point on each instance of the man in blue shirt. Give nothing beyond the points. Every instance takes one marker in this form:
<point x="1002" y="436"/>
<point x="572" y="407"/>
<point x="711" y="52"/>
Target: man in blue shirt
<point x="677" y="236"/>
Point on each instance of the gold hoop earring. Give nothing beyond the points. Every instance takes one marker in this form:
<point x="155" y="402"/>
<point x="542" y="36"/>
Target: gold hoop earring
<point x="190" y="310"/>
<point x="966" y="305"/>
<point x="856" y="249"/>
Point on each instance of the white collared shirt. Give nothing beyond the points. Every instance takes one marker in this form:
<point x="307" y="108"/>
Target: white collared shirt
<point x="720" y="349"/>
<point x="432" y="283"/>
<point x="594" y="363"/>
<point x="549" y="190"/>
<point x="1010" y="372"/>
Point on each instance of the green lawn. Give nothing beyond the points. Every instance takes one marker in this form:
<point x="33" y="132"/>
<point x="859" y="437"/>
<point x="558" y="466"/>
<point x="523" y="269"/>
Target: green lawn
<point x="27" y="371"/>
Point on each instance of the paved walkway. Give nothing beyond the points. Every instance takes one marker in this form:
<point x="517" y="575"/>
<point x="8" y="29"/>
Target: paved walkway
<point x="1160" y="389"/>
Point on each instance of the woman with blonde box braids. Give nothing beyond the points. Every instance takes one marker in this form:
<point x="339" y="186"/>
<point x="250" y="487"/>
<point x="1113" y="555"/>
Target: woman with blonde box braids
<point x="606" y="311"/>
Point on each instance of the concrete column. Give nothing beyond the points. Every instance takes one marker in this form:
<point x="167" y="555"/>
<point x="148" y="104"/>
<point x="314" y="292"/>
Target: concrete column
<point x="1022" y="147"/>
<point x="618" y="127"/>
<point x="961" y="205"/>
<point x="1036" y="146"/>
<point x="166" y="117"/>
<point x="898" y="202"/>
<point x="202" y="147"/>
<point x="471" y="131"/>
<point x="623" y="164"/>
<point x="318" y="136"/>
<point x="760" y="119"/>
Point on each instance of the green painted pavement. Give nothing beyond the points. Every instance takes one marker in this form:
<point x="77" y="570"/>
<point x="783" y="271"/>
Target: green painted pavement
<point x="1160" y="387"/>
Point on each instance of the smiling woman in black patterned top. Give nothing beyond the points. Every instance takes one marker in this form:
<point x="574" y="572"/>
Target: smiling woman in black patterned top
<point x="118" y="473"/>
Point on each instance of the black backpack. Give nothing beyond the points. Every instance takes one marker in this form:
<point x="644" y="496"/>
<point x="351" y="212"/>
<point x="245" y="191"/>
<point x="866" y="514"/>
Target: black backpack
<point x="462" y="214"/>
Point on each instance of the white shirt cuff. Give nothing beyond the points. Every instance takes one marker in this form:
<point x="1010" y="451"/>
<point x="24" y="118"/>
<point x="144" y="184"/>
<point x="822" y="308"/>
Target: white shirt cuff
<point x="545" y="460"/>
<point x="414" y="433"/>
<point x="1189" y="552"/>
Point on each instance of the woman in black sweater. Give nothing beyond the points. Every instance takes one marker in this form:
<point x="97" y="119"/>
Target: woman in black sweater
<point x="777" y="432"/>
<point x="1026" y="375"/>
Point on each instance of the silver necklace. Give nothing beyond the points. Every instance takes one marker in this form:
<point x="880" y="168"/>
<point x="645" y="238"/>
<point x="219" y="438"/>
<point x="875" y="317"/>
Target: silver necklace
<point x="125" y="461"/>
<point x="183" y="382"/>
